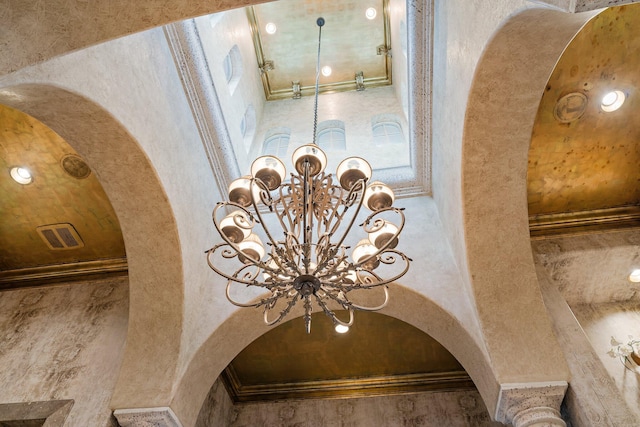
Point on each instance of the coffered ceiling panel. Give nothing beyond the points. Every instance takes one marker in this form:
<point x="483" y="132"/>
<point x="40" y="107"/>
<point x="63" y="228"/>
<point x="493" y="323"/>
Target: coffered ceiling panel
<point x="350" y="43"/>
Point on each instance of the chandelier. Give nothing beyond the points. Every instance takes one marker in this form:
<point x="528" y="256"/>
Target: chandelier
<point x="306" y="222"/>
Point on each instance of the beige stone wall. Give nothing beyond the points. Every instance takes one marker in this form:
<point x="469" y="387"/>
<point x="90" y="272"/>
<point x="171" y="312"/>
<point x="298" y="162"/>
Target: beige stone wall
<point x="64" y="342"/>
<point x="452" y="409"/>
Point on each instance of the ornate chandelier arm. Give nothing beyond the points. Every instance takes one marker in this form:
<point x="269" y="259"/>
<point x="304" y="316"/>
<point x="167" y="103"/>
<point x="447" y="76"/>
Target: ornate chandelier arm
<point x="377" y="225"/>
<point x="290" y="204"/>
<point x="236" y="303"/>
<point x="356" y="192"/>
<point x="389" y="259"/>
<point x="332" y="315"/>
<point x="282" y="314"/>
<point x="265" y="198"/>
<point x="380" y="307"/>
<point x="226" y="253"/>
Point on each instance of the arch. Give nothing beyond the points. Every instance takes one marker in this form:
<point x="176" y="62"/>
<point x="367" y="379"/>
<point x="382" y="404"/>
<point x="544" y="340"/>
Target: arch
<point x="88" y="25"/>
<point x="155" y="279"/>
<point x="245" y="325"/>
<point x="501" y="109"/>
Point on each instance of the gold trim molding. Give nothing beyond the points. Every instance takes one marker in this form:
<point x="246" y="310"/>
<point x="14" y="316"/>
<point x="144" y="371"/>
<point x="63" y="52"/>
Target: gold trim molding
<point x="584" y="222"/>
<point x="45" y="275"/>
<point x="343" y="86"/>
<point x="353" y="387"/>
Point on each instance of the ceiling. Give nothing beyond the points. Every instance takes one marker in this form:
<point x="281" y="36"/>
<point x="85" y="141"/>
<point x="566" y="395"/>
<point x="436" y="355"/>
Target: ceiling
<point x="583" y="176"/>
<point x="583" y="162"/>
<point x="65" y="192"/>
<point x="350" y="44"/>
<point x="379" y="355"/>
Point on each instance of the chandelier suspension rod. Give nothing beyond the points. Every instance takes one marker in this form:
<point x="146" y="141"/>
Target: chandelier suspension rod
<point x="320" y="23"/>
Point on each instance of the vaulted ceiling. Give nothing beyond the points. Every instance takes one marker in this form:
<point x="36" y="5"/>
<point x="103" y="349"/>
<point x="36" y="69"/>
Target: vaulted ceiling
<point x="583" y="176"/>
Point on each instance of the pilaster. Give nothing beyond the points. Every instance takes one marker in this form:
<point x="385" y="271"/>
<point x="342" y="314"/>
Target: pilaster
<point x="531" y="404"/>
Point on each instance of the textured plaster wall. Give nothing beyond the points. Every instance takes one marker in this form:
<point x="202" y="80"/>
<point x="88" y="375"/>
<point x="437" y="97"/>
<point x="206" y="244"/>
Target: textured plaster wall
<point x="231" y="29"/>
<point x="451" y="409"/>
<point x="459" y="40"/>
<point x="355" y="109"/>
<point x="601" y="322"/>
<point x="581" y="265"/>
<point x="217" y="407"/>
<point x="64" y="342"/>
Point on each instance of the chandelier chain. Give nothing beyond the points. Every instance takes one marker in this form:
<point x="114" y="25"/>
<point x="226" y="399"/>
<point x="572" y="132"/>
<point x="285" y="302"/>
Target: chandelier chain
<point x="320" y="23"/>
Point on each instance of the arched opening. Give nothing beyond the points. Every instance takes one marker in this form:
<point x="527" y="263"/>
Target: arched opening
<point x="156" y="279"/>
<point x="501" y="109"/>
<point x="246" y="325"/>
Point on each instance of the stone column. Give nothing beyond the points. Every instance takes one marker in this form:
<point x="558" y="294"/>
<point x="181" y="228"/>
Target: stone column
<point x="531" y="404"/>
<point x="147" y="417"/>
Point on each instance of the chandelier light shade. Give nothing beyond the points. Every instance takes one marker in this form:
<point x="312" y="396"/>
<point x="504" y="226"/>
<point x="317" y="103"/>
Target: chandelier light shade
<point x="306" y="222"/>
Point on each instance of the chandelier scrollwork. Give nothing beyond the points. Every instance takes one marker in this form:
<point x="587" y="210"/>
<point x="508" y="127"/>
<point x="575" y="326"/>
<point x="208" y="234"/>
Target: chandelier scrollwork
<point x="307" y="260"/>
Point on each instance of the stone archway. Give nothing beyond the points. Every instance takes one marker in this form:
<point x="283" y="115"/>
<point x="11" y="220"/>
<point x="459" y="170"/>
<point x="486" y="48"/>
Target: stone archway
<point x="138" y="198"/>
<point x="245" y="325"/>
<point x="502" y="105"/>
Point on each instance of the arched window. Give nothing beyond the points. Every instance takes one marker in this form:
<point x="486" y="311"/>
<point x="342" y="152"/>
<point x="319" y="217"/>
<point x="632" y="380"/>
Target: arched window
<point x="331" y="135"/>
<point x="232" y="65"/>
<point x="248" y="123"/>
<point x="277" y="142"/>
<point x="386" y="130"/>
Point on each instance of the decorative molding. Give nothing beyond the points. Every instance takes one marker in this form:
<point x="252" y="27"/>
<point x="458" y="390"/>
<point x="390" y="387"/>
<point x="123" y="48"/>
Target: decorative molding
<point x="48" y="274"/>
<point x="147" y="417"/>
<point x="420" y="78"/>
<point x="516" y="401"/>
<point x="53" y="412"/>
<point x="188" y="54"/>
<point x="370" y="386"/>
<point x="584" y="222"/>
<point x="540" y="416"/>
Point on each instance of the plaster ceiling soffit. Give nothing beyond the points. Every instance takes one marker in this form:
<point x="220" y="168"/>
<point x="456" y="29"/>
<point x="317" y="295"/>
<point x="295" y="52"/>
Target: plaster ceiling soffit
<point x="575" y="6"/>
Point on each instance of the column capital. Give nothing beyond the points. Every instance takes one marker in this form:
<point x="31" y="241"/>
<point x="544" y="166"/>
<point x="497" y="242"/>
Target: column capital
<point x="147" y="417"/>
<point x="531" y="404"/>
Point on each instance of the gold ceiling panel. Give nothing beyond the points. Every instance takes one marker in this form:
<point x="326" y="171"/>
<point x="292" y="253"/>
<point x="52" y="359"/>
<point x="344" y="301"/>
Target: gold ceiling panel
<point x="63" y="191"/>
<point x="379" y="355"/>
<point x="350" y="44"/>
<point x="584" y="163"/>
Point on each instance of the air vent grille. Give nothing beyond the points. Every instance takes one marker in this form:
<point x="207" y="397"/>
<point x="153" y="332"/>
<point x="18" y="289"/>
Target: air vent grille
<point x="60" y="236"/>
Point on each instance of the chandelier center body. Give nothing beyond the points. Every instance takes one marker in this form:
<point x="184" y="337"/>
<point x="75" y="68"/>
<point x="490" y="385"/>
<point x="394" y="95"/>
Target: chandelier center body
<point x="306" y="284"/>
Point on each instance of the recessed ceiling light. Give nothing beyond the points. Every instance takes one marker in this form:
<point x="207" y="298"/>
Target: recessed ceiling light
<point x="342" y="329"/>
<point x="21" y="175"/>
<point x="270" y="28"/>
<point x="635" y="276"/>
<point x="612" y="101"/>
<point x="371" y="13"/>
<point x="326" y="71"/>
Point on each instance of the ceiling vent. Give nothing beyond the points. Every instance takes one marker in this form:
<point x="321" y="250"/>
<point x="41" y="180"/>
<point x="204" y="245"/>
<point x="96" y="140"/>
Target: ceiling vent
<point x="74" y="166"/>
<point x="60" y="236"/>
